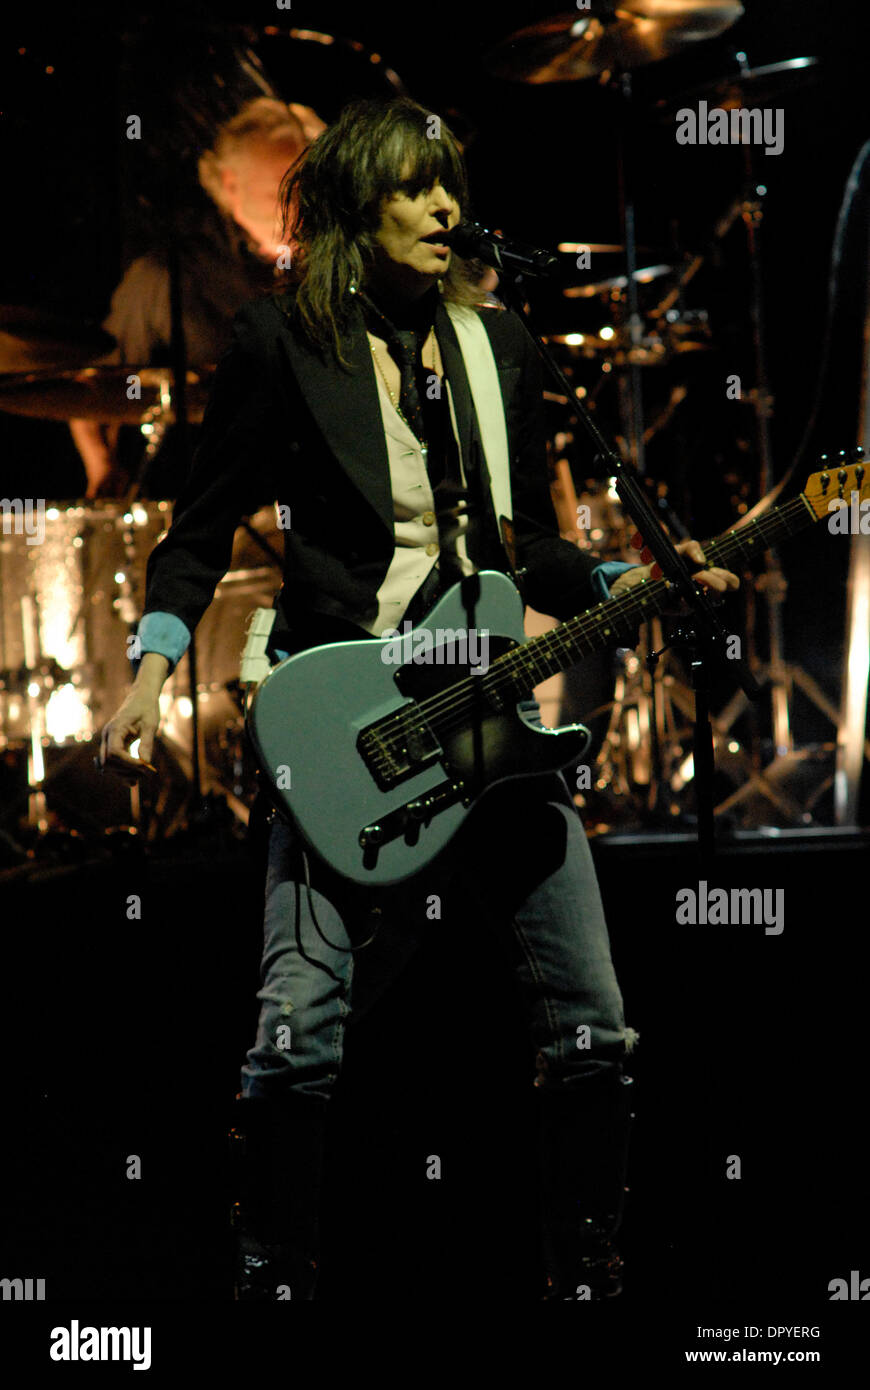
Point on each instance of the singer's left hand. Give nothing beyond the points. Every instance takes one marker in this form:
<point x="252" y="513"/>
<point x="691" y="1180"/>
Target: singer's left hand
<point x="714" y="578"/>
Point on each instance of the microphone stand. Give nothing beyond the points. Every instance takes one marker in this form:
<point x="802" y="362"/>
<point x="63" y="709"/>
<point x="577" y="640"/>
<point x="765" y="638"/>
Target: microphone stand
<point x="702" y="632"/>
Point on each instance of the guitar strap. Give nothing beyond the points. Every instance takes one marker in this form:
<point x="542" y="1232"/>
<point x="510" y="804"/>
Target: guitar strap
<point x="486" y="394"/>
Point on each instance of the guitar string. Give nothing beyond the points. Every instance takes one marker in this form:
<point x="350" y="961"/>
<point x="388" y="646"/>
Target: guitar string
<point x="456" y="700"/>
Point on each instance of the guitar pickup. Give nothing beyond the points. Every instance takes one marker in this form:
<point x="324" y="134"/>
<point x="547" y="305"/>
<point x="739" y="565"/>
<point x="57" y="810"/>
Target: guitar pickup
<point x="397" y="748"/>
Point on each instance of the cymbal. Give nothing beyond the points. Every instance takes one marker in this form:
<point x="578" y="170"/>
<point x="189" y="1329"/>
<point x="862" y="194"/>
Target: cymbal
<point x="31" y="340"/>
<point x="101" y="393"/>
<point x="607" y="248"/>
<point x="597" y="248"/>
<point x="614" y="345"/>
<point x="747" y="88"/>
<point x="620" y="36"/>
<point x="593" y="265"/>
<point x="644" y="276"/>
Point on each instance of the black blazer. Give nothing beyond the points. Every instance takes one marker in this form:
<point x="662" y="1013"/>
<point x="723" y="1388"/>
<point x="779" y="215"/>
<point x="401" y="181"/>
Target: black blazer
<point x="284" y="424"/>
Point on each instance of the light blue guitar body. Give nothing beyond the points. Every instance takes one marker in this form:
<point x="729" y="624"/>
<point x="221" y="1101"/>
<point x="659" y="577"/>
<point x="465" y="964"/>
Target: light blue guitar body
<point x="377" y="757"/>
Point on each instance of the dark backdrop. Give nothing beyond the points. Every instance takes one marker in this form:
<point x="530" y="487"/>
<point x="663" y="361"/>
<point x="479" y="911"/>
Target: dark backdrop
<point x="543" y="166"/>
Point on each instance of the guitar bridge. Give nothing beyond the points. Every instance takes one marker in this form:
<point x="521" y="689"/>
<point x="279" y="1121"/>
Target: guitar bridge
<point x="406" y="821"/>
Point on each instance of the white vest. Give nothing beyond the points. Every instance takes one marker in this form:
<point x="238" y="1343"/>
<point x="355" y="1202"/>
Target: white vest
<point x="415" y="522"/>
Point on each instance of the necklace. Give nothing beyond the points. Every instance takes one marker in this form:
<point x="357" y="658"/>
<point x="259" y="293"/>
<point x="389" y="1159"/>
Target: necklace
<point x="436" y="360"/>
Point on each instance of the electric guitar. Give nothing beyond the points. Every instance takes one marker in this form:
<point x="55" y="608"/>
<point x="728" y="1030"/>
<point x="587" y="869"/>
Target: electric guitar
<point x="377" y="749"/>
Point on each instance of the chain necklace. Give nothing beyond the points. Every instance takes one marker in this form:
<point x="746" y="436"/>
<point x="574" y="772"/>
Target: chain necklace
<point x="436" y="361"/>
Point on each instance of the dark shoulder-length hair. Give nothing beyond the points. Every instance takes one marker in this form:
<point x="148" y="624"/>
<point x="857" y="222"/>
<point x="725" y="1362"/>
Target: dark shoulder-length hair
<point x="331" y="201"/>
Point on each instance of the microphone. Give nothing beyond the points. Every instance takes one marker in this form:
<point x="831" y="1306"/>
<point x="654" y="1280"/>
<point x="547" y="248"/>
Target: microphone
<point x="474" y="240"/>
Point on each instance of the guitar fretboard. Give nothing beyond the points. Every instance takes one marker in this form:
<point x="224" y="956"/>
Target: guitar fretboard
<point x="514" y="675"/>
<point x="604" y="625"/>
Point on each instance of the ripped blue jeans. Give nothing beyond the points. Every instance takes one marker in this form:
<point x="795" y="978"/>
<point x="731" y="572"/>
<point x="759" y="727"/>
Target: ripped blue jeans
<point x="521" y="869"/>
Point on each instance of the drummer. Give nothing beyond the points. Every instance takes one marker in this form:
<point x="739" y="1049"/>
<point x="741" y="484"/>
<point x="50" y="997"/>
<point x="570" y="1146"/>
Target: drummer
<point x="235" y="254"/>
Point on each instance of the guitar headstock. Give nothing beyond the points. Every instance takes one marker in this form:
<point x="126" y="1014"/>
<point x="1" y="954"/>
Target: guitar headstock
<point x="838" y="479"/>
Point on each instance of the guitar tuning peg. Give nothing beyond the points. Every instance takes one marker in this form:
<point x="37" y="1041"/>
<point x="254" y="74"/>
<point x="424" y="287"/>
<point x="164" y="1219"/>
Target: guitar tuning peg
<point x="857" y="453"/>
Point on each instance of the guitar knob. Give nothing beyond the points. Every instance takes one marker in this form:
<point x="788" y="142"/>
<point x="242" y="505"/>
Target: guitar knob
<point x="372" y="836"/>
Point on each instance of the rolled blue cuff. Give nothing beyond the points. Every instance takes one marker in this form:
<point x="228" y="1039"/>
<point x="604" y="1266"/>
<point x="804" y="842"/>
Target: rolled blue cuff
<point x="604" y="574"/>
<point x="162" y="633"/>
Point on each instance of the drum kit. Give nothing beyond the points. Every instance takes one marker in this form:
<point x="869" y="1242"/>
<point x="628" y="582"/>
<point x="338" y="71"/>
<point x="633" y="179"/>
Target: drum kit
<point x="643" y="769"/>
<point x="73" y="594"/>
<point x="71" y="602"/>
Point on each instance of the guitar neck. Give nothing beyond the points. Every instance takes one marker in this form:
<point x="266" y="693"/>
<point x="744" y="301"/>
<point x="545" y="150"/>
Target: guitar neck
<point x="602" y="627"/>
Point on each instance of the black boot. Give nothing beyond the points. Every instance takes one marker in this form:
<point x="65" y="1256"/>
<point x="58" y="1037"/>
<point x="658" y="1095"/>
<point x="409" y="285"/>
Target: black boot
<point x="584" y="1133"/>
<point x="277" y="1154"/>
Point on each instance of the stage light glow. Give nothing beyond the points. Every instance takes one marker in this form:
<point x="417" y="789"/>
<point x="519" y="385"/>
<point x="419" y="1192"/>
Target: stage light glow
<point x="67" y="715"/>
<point x="684" y="773"/>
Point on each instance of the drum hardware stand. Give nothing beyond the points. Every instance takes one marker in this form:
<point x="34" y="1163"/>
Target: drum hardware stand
<point x="708" y="635"/>
<point x="771" y="584"/>
<point x="629" y="378"/>
<point x="36" y="808"/>
<point x="178" y="358"/>
<point x="631" y="397"/>
<point x="681" y="697"/>
<point x="39" y="676"/>
<point x="650" y="693"/>
<point x="153" y="425"/>
<point x="661" y="690"/>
